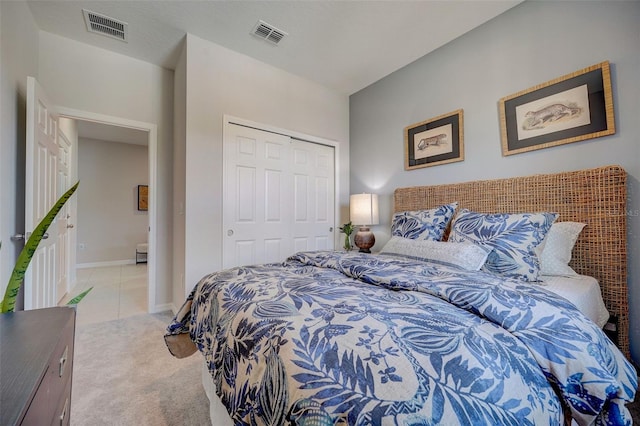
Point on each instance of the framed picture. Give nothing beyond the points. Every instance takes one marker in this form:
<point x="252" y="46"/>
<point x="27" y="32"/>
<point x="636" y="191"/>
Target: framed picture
<point x="571" y="108"/>
<point x="438" y="140"/>
<point x="143" y="197"/>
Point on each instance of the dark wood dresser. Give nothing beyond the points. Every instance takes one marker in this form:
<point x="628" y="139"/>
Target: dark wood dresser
<point x="36" y="361"/>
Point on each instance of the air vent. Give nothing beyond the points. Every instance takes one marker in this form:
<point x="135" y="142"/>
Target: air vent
<point x="268" y="32"/>
<point x="101" y="24"/>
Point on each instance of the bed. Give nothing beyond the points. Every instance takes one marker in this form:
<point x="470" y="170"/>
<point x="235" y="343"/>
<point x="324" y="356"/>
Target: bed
<point x="348" y="338"/>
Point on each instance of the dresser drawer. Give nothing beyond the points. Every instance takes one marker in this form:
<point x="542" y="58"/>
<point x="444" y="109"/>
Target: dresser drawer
<point x="60" y="367"/>
<point x="63" y="412"/>
<point x="37" y="356"/>
<point x="55" y="387"/>
<point x="38" y="412"/>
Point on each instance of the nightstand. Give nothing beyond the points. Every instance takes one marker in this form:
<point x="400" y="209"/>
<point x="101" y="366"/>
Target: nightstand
<point x="36" y="349"/>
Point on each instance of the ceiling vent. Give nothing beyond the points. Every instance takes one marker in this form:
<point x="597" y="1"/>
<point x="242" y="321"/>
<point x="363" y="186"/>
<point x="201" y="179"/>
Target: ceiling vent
<point x="101" y="24"/>
<point x="268" y="32"/>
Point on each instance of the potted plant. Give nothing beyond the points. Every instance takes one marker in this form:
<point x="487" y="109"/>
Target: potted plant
<point x="17" y="277"/>
<point x="347" y="229"/>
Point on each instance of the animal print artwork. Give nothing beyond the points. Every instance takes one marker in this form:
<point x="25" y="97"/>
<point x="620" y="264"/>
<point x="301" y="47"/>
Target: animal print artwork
<point x="550" y="114"/>
<point x="437" y="140"/>
<point x="433" y="142"/>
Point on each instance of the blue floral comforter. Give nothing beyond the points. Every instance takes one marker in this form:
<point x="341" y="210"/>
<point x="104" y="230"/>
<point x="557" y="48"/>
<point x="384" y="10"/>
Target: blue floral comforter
<point x="331" y="338"/>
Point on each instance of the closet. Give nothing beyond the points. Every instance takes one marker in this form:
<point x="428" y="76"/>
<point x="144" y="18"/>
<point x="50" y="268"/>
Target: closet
<point x="278" y="196"/>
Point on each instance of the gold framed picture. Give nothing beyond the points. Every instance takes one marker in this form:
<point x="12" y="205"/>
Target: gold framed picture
<point x="143" y="197"/>
<point x="571" y="108"/>
<point x="435" y="141"/>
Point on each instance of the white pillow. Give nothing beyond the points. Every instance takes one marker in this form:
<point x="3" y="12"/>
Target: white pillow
<point x="464" y="255"/>
<point x="556" y="254"/>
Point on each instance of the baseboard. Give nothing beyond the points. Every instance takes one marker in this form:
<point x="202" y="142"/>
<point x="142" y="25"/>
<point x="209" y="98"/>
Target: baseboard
<point x="107" y="263"/>
<point x="175" y="310"/>
<point x="163" y="308"/>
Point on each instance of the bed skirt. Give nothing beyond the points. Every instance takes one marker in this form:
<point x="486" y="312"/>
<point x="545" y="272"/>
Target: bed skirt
<point x="217" y="411"/>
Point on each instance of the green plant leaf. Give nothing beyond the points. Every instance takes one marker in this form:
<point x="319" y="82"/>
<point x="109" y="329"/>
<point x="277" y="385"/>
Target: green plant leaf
<point x="79" y="297"/>
<point x="347" y="228"/>
<point x="20" y="269"/>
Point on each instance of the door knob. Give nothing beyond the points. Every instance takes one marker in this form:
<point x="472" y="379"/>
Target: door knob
<point x="19" y="237"/>
<point x="70" y="225"/>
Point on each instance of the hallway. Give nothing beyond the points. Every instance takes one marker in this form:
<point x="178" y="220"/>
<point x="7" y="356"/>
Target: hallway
<point x="118" y="292"/>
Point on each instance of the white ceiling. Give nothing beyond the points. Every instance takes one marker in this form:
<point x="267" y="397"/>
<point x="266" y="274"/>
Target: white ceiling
<point x="344" y="45"/>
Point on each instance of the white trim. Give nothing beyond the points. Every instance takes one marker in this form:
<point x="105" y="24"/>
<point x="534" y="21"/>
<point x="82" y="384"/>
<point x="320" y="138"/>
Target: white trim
<point x="106" y="263"/>
<point x="152" y="129"/>
<point x="230" y="119"/>
<point x="164" y="307"/>
<point x="174" y="309"/>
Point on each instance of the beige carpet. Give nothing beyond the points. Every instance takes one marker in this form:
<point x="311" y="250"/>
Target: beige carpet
<point x="124" y="375"/>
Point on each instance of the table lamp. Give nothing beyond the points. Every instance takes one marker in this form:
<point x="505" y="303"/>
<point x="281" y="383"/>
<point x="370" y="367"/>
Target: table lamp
<point x="363" y="210"/>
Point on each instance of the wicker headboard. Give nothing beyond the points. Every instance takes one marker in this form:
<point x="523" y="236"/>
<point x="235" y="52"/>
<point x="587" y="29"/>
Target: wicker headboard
<point x="596" y="197"/>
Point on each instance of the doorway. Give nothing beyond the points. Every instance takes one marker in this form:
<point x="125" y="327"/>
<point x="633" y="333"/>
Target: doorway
<point x="150" y="130"/>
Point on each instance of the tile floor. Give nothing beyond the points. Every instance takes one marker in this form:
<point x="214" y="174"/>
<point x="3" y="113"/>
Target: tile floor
<point x="118" y="292"/>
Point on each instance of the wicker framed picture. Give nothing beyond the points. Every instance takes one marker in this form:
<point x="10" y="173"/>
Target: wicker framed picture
<point x="143" y="197"/>
<point x="435" y="141"/>
<point x="571" y="108"/>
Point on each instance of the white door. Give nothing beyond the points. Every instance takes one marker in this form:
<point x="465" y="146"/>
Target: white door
<point x="313" y="191"/>
<point x="40" y="194"/>
<point x="277" y="196"/>
<point x="63" y="222"/>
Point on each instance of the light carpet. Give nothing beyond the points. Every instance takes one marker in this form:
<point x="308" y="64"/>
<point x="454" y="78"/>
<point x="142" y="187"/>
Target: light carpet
<point x="123" y="374"/>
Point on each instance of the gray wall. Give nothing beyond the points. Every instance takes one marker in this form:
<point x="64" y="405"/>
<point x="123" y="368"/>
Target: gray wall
<point x="109" y="223"/>
<point x="101" y="82"/>
<point x="528" y="45"/>
<point x="19" y="50"/>
<point x="179" y="176"/>
<point x="218" y="82"/>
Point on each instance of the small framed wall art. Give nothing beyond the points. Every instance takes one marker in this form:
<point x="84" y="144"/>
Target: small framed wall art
<point x="568" y="109"/>
<point x="143" y="197"/>
<point x="435" y="141"/>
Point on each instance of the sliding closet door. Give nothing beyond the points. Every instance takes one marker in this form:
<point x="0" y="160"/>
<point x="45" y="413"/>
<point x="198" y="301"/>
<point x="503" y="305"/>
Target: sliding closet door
<point x="278" y="196"/>
<point x="313" y="191"/>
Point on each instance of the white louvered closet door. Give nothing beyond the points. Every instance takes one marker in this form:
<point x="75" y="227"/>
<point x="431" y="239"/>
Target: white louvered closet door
<point x="277" y="197"/>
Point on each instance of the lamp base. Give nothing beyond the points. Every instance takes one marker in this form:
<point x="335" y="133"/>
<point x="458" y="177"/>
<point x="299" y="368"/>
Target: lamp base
<point x="364" y="239"/>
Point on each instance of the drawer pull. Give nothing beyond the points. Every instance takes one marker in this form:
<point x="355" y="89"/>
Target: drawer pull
<point x="63" y="416"/>
<point x="63" y="360"/>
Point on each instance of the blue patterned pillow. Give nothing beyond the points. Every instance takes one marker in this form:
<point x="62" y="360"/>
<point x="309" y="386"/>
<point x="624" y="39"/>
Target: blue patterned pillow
<point x="512" y="239"/>
<point x="423" y="224"/>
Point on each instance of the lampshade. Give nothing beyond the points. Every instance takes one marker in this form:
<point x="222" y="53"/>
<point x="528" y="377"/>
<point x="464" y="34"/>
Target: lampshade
<point x="363" y="209"/>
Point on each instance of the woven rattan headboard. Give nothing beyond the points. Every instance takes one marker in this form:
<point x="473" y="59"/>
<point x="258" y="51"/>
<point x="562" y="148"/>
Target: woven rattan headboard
<point x="596" y="197"/>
